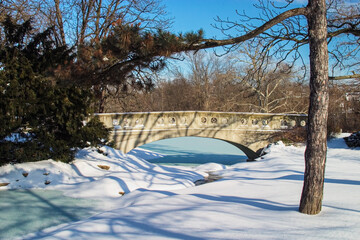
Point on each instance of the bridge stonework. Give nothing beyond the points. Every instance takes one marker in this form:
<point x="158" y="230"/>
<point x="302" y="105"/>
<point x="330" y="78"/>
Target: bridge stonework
<point x="247" y="131"/>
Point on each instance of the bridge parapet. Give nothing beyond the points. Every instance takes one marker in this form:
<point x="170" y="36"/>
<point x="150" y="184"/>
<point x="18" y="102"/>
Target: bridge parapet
<point x="249" y="130"/>
<point x="201" y="119"/>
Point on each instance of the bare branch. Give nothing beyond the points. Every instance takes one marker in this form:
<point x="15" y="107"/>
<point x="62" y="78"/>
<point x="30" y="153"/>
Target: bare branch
<point x="210" y="43"/>
<point x="353" y="76"/>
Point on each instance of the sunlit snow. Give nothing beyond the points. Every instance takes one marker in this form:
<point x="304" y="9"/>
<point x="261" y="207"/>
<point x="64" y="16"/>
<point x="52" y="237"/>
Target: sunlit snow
<point x="253" y="200"/>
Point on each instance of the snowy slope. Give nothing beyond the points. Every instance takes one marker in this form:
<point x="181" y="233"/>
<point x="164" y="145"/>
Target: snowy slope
<point x="86" y="179"/>
<point x="254" y="200"/>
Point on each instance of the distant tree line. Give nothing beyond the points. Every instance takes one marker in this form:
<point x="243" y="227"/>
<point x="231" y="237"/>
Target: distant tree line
<point x="228" y="84"/>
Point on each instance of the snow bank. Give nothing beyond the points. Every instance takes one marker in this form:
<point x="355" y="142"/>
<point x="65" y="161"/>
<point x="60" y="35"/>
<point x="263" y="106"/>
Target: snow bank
<point x="97" y="175"/>
<point x="253" y="200"/>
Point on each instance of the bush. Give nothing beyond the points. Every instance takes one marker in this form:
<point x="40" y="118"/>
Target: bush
<point x="296" y="135"/>
<point x="353" y="140"/>
<point x="45" y="145"/>
<point x="94" y="133"/>
<point x="56" y="129"/>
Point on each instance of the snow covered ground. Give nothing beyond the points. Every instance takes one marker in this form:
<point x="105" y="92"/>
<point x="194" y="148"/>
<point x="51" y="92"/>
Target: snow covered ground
<point x="253" y="200"/>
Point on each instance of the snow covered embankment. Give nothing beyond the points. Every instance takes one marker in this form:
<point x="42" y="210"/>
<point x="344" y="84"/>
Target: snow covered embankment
<point x="253" y="200"/>
<point x="95" y="175"/>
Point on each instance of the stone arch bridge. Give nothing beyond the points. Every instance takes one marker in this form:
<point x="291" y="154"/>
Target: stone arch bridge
<point x="250" y="132"/>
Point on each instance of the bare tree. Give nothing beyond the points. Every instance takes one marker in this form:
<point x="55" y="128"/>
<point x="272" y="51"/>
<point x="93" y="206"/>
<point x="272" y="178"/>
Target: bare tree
<point x="297" y="97"/>
<point x="230" y="83"/>
<point x="202" y="73"/>
<point x="208" y="76"/>
<point x="77" y="22"/>
<point x="344" y="107"/>
<point x="264" y="80"/>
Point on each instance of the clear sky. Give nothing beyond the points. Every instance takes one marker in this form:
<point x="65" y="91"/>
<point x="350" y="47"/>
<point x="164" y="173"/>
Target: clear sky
<point x="191" y="15"/>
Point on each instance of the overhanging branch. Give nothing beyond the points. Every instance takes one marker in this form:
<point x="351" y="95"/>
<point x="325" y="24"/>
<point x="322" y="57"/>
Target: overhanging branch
<point x="345" y="77"/>
<point x="210" y="43"/>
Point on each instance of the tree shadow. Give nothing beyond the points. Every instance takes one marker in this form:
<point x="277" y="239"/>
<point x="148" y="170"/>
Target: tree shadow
<point x="255" y="202"/>
<point x="26" y="211"/>
<point x="342" y="181"/>
<point x="199" y="158"/>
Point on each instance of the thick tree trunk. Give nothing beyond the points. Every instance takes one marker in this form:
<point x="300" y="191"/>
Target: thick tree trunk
<point x="315" y="154"/>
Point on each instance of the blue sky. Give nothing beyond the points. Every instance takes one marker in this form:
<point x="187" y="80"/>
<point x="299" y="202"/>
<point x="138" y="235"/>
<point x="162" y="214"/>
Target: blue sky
<point x="191" y="15"/>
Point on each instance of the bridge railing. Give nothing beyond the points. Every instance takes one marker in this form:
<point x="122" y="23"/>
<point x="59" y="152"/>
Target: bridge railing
<point x="201" y="119"/>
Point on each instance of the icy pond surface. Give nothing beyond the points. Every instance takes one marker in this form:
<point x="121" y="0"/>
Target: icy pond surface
<point x="26" y="211"/>
<point x="191" y="151"/>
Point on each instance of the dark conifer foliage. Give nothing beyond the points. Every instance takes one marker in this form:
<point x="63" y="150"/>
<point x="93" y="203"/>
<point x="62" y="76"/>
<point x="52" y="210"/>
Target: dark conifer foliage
<point x="127" y="51"/>
<point x="40" y="119"/>
<point x="125" y="59"/>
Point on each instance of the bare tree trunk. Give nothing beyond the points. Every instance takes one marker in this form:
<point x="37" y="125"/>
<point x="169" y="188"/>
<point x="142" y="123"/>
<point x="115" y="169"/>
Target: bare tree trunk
<point x="315" y="154"/>
<point x="60" y="22"/>
<point x="86" y="9"/>
<point x="97" y="21"/>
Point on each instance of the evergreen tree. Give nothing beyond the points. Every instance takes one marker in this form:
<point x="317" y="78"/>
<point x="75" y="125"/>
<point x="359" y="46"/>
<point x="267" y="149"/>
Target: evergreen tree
<point x="128" y="49"/>
<point x="48" y="119"/>
<point x="126" y="58"/>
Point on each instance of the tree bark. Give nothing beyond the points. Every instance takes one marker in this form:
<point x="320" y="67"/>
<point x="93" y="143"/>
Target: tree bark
<point x="59" y="20"/>
<point x="316" y="148"/>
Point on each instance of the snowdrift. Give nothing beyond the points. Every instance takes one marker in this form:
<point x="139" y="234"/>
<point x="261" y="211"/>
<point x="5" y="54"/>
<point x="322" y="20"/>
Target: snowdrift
<point x="253" y="200"/>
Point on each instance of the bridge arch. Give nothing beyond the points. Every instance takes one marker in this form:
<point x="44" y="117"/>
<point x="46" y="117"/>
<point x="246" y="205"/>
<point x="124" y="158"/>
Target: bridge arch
<point x="247" y="131"/>
<point x="247" y="151"/>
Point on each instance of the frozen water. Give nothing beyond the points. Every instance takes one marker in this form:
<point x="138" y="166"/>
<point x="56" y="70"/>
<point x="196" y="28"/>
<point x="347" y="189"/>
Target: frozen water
<point x="191" y="151"/>
<point x="25" y="211"/>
